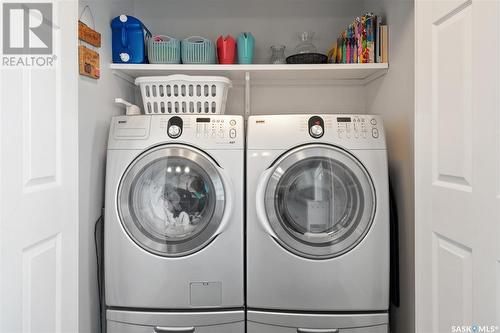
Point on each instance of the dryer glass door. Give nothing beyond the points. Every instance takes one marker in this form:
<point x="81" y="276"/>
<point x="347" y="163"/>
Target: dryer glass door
<point x="171" y="201"/>
<point x="320" y="201"/>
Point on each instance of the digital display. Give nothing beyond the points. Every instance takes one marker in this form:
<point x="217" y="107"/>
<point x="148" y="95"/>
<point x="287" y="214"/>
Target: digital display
<point x="202" y="120"/>
<point x="343" y="119"/>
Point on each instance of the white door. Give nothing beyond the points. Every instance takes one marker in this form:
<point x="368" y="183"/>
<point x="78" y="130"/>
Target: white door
<point x="38" y="180"/>
<point x="457" y="165"/>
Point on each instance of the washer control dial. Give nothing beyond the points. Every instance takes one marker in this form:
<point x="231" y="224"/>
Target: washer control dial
<point x="174" y="128"/>
<point x="174" y="131"/>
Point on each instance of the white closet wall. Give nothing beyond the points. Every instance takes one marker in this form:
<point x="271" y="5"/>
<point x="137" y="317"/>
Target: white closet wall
<point x="95" y="109"/>
<point x="392" y="97"/>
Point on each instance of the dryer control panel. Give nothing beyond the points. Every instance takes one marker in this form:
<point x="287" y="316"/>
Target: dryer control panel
<point x="357" y="127"/>
<point x="352" y="131"/>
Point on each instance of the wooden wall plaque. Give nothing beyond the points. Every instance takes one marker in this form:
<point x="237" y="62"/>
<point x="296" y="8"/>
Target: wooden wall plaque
<point x="88" y="35"/>
<point x="89" y="62"/>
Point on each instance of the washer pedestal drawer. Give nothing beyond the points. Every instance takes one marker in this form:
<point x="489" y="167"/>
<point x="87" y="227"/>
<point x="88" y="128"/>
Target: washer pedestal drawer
<point x="286" y="322"/>
<point x="119" y="321"/>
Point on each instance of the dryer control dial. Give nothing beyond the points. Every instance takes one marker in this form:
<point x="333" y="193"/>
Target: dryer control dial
<point x="316" y="127"/>
<point x="316" y="131"/>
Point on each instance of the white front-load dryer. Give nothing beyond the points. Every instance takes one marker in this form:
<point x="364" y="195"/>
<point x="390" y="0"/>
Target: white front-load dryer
<point x="174" y="224"/>
<point x="317" y="224"/>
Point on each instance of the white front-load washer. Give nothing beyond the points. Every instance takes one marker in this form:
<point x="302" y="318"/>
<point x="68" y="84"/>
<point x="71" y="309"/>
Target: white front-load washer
<point x="317" y="224"/>
<point x="174" y="224"/>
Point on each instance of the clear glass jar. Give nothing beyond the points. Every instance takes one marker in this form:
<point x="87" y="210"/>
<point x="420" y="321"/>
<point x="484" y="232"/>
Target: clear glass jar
<point x="278" y="54"/>
<point x="306" y="45"/>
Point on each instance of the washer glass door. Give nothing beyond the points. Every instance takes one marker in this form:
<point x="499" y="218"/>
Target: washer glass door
<point x="171" y="200"/>
<point x="320" y="201"/>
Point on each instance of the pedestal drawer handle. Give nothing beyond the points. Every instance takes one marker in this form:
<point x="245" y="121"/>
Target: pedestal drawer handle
<point x="159" y="329"/>
<point x="317" y="330"/>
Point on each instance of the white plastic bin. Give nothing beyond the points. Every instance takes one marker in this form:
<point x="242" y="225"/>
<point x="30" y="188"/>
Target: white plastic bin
<point x="184" y="94"/>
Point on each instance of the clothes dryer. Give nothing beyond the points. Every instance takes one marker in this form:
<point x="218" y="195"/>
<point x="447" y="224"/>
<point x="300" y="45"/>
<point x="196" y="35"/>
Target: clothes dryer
<point x="317" y="224"/>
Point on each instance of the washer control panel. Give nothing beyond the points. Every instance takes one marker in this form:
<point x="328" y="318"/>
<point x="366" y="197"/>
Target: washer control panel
<point x="357" y="127"/>
<point x="216" y="127"/>
<point x="209" y="129"/>
<point x="202" y="131"/>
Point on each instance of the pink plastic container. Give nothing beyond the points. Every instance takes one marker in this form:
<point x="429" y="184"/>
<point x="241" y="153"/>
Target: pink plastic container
<point x="226" y="50"/>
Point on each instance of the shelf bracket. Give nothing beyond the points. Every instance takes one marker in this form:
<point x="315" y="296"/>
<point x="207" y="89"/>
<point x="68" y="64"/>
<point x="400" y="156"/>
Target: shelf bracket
<point x="124" y="77"/>
<point x="247" y="95"/>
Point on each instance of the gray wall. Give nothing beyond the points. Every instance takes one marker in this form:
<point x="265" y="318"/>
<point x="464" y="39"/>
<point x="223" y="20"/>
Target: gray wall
<point x="392" y="97"/>
<point x="271" y="22"/>
<point x="95" y="108"/>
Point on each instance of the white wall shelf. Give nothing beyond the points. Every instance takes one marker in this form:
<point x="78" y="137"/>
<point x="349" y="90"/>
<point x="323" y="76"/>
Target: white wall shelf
<point x="359" y="74"/>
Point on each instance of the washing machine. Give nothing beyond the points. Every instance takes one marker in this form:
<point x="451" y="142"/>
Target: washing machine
<point x="317" y="224"/>
<point x="174" y="231"/>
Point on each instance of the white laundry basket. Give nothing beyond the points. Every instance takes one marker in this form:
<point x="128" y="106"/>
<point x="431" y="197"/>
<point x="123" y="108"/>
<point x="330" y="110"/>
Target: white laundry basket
<point x="184" y="94"/>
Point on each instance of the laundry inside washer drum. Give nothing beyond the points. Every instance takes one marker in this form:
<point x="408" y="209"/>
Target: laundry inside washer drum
<point x="172" y="200"/>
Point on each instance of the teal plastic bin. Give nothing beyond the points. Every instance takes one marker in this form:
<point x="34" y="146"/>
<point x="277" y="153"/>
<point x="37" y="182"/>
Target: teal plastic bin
<point x="198" y="50"/>
<point x="164" y="50"/>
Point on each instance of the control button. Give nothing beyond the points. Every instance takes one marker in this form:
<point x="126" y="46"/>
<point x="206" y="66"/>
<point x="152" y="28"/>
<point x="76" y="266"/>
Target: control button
<point x="232" y="133"/>
<point x="373" y="121"/>
<point x="316" y="131"/>
<point x="375" y="133"/>
<point x="174" y="131"/>
<point x="221" y="134"/>
<point x="232" y="122"/>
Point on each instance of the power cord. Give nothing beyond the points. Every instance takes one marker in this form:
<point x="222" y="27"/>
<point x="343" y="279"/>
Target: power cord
<point x="98" y="227"/>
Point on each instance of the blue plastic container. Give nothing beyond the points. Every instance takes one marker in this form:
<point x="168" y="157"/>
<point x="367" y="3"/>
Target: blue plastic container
<point x="128" y="40"/>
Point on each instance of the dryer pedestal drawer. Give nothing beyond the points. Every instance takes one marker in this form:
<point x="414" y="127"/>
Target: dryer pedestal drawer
<point x="292" y="322"/>
<point x="175" y="322"/>
<point x="263" y="328"/>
